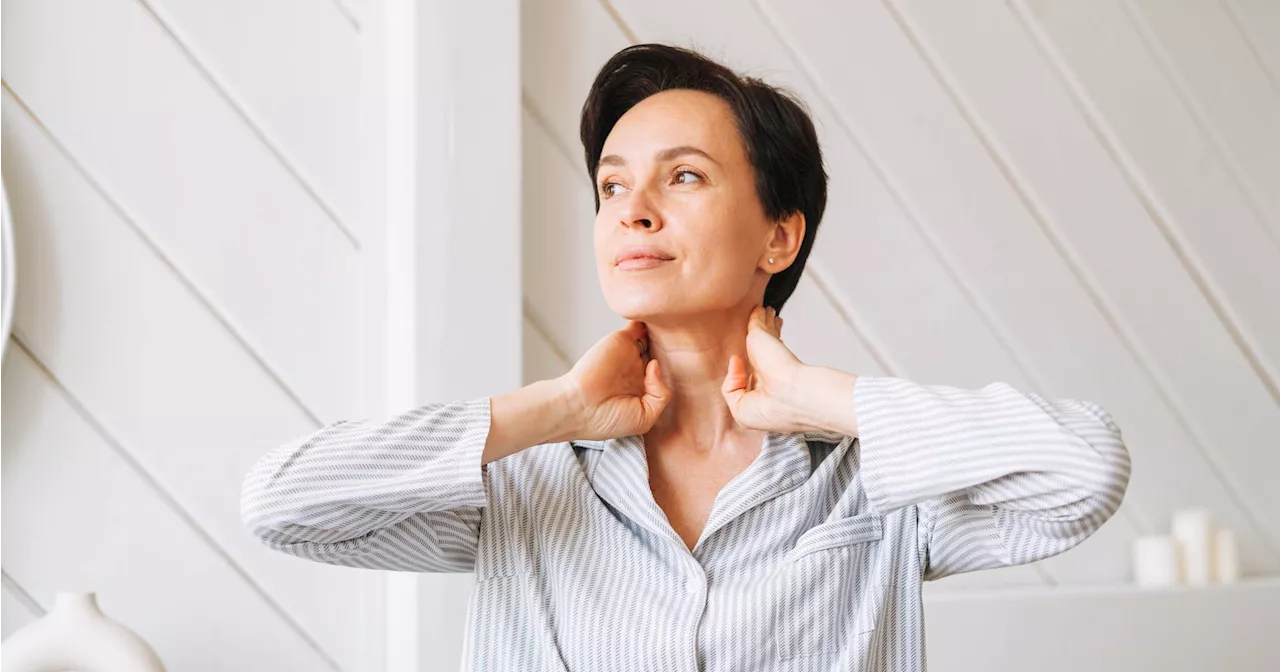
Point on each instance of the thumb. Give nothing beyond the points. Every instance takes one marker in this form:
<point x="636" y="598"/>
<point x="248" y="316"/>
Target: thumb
<point x="656" y="394"/>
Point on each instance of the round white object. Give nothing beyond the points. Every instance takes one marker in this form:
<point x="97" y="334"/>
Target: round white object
<point x="8" y="270"/>
<point x="76" y="635"/>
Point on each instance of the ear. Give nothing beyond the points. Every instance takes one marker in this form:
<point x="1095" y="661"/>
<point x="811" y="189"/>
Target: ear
<point x="784" y="243"/>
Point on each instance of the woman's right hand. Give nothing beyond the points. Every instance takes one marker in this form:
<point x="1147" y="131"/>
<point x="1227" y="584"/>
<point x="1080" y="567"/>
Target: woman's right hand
<point x="614" y="389"/>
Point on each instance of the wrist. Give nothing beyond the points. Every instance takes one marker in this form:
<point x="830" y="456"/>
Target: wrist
<point x="531" y="415"/>
<point x="825" y="399"/>
<point x="564" y="408"/>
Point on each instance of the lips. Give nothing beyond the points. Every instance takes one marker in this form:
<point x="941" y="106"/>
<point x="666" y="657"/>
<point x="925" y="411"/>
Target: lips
<point x="641" y="257"/>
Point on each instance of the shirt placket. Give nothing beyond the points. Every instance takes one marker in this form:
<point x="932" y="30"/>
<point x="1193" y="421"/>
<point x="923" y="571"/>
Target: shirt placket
<point x="622" y="479"/>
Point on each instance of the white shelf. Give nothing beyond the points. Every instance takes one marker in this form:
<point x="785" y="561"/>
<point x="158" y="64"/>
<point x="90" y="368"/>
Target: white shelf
<point x="1264" y="583"/>
<point x="1107" y="627"/>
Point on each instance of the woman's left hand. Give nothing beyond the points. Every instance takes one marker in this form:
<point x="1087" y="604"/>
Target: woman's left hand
<point x="768" y="397"/>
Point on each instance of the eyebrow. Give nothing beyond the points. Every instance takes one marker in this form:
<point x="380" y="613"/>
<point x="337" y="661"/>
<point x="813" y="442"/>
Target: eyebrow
<point x="664" y="155"/>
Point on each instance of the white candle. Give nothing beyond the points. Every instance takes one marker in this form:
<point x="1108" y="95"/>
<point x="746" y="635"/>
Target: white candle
<point x="1226" y="557"/>
<point x="1194" y="531"/>
<point x="1155" y="561"/>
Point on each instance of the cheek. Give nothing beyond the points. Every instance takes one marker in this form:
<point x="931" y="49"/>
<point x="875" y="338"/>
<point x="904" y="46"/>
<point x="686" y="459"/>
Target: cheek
<point x="724" y="241"/>
<point x="723" y="267"/>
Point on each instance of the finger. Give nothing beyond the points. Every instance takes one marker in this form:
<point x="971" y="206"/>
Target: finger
<point x="774" y="323"/>
<point x="638" y="332"/>
<point x="656" y="393"/>
<point x="757" y="320"/>
<point x="735" y="381"/>
<point x="736" y="378"/>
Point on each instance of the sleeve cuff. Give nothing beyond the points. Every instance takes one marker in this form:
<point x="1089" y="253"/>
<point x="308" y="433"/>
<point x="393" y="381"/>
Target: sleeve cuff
<point x="868" y="393"/>
<point x="457" y="477"/>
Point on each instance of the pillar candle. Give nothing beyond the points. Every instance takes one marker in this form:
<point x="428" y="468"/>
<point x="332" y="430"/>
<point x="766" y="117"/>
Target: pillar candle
<point x="1226" y="557"/>
<point x="1155" y="561"/>
<point x="1194" y="531"/>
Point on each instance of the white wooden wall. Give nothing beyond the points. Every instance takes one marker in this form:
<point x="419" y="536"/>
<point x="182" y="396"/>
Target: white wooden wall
<point x="185" y="181"/>
<point x="1079" y="198"/>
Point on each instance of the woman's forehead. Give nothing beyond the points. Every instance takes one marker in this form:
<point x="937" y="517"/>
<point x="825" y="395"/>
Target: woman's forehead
<point x="671" y="119"/>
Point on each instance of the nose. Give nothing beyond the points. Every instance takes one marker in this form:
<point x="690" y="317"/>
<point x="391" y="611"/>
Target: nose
<point x="639" y="213"/>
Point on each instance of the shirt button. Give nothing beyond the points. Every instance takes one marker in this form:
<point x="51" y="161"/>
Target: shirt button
<point x="692" y="586"/>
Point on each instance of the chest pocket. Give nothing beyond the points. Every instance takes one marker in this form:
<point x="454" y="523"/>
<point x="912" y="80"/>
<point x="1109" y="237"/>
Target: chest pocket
<point x="828" y="594"/>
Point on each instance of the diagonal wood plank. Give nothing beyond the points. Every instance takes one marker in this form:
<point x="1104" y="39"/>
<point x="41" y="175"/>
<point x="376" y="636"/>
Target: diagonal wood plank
<point x="151" y="571"/>
<point x="1101" y="227"/>
<point x="355" y="12"/>
<point x="249" y="51"/>
<point x="17" y="607"/>
<point x="1101" y="57"/>
<point x="1259" y="24"/>
<point x="142" y="353"/>
<point x="156" y="136"/>
<point x="542" y="359"/>
<point x="1223" y="85"/>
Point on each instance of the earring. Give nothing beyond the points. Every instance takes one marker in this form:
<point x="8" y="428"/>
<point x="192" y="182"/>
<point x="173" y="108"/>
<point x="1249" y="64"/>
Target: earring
<point x="771" y="260"/>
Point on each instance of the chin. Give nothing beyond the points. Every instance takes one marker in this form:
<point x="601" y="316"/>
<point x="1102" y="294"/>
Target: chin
<point x="636" y="306"/>
<point x="633" y="300"/>
<point x="652" y="298"/>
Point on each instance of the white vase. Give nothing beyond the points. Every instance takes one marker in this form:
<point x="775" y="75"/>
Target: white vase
<point x="76" y="635"/>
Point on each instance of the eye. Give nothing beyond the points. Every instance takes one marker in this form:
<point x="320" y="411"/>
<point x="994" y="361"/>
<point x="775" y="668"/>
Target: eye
<point x="610" y="189"/>
<point x="685" y="176"/>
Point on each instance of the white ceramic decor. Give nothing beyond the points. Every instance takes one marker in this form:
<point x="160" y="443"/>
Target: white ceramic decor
<point x="8" y="270"/>
<point x="1193" y="528"/>
<point x="76" y="635"/>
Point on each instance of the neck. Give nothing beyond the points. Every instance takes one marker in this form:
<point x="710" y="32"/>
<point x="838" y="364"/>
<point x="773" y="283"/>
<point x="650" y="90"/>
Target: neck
<point x="695" y="358"/>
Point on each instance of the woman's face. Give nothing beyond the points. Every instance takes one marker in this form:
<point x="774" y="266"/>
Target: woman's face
<point x="680" y="229"/>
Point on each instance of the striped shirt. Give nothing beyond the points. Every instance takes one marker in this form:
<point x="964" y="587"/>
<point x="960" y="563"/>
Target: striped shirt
<point x="811" y="559"/>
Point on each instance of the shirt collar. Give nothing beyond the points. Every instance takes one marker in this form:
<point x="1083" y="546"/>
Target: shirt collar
<point x="823" y="435"/>
<point x="621" y="477"/>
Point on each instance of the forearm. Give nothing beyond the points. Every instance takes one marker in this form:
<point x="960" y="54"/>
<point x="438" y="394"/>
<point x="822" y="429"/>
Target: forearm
<point x="542" y="412"/>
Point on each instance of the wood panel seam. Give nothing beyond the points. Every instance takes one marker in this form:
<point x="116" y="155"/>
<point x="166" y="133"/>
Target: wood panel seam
<point x="164" y="259"/>
<point x="259" y="131"/>
<point x="171" y="502"/>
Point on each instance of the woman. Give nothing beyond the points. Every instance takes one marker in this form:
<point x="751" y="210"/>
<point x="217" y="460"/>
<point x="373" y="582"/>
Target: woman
<point x="691" y="496"/>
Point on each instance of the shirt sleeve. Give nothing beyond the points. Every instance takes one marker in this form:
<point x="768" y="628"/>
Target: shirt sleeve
<point x="999" y="477"/>
<point x="401" y="494"/>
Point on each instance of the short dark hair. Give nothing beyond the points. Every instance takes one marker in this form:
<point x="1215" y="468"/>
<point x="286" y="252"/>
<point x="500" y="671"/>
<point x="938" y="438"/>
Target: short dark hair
<point x="780" y="139"/>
